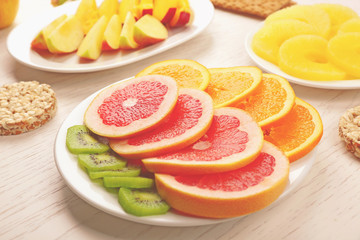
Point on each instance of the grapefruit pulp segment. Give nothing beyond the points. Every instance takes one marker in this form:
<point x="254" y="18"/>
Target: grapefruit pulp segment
<point x="233" y="140"/>
<point x="187" y="123"/>
<point x="228" y="85"/>
<point x="228" y="194"/>
<point x="131" y="107"/>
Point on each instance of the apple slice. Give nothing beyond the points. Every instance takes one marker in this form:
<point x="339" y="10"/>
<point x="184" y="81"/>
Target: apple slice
<point x="39" y="41"/>
<point x="126" y="6"/>
<point x="109" y="8"/>
<point x="112" y="34"/>
<point x="66" y="37"/>
<point x="145" y="7"/>
<point x="88" y="14"/>
<point x="90" y="47"/>
<point x="149" y="30"/>
<point x="127" y="33"/>
<point x="164" y="10"/>
<point x="183" y="14"/>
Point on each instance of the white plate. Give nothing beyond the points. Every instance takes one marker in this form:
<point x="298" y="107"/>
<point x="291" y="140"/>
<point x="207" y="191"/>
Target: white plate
<point x="272" y="68"/>
<point x="97" y="196"/>
<point x="19" y="40"/>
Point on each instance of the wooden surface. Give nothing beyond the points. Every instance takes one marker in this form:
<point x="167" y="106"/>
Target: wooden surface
<point x="35" y="202"/>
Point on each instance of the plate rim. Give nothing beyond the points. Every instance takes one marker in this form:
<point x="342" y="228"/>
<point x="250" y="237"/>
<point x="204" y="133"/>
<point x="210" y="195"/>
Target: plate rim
<point x="272" y="68"/>
<point x="97" y="66"/>
<point x="300" y="168"/>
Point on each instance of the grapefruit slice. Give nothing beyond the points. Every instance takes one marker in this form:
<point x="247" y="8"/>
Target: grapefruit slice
<point x="229" y="194"/>
<point x="188" y="122"/>
<point x="132" y="107"/>
<point x="233" y="140"/>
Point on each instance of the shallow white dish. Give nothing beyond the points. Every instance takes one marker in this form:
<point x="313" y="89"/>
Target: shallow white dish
<point x="96" y="195"/>
<point x="272" y="68"/>
<point x="19" y="40"/>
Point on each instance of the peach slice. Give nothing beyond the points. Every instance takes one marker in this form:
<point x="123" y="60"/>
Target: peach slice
<point x="183" y="14"/>
<point x="164" y="10"/>
<point x="127" y="33"/>
<point x="112" y="34"/>
<point x="90" y="47"/>
<point x="126" y="6"/>
<point x="39" y="41"/>
<point x="88" y="14"/>
<point x="149" y="30"/>
<point x="108" y="8"/>
<point x="66" y="37"/>
<point x="145" y="7"/>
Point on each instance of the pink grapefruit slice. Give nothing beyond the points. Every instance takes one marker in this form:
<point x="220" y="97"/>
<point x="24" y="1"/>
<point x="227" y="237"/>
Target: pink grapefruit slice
<point x="132" y="107"/>
<point x="187" y="123"/>
<point x="233" y="140"/>
<point x="228" y="194"/>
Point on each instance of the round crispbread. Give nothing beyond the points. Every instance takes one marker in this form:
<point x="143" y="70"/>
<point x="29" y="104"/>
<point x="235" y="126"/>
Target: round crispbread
<point x="25" y="106"/>
<point x="349" y="130"/>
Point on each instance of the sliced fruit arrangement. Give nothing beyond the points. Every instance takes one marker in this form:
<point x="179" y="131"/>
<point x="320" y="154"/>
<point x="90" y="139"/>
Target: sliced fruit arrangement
<point x="305" y="42"/>
<point x="128" y="25"/>
<point x="201" y="154"/>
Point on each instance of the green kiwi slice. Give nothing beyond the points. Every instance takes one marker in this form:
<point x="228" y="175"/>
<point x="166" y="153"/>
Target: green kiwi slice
<point x="79" y="140"/>
<point x="142" y="202"/>
<point x="123" y="172"/>
<point x="101" y="161"/>
<point x="128" y="182"/>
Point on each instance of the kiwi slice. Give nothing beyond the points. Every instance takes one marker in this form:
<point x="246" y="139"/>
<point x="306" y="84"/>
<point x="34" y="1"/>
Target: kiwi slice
<point x="101" y="161"/>
<point x="123" y="172"/>
<point x="128" y="182"/>
<point x="79" y="139"/>
<point x="142" y="202"/>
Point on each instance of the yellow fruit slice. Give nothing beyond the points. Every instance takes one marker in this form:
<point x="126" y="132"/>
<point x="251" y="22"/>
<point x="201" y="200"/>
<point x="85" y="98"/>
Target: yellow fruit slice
<point x="352" y="25"/>
<point x="271" y="100"/>
<point x="338" y="15"/>
<point x="88" y="14"/>
<point x="108" y="8"/>
<point x="298" y="132"/>
<point x="228" y="85"/>
<point x="313" y="15"/>
<point x="187" y="73"/>
<point x="344" y="51"/>
<point x="305" y="56"/>
<point x="267" y="40"/>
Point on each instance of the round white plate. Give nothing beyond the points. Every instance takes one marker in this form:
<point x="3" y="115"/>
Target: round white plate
<point x="19" y="40"/>
<point x="96" y="195"/>
<point x="272" y="68"/>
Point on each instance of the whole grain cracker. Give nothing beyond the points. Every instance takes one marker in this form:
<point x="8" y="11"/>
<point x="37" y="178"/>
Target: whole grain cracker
<point x="349" y="130"/>
<point x="260" y="8"/>
<point x="25" y="106"/>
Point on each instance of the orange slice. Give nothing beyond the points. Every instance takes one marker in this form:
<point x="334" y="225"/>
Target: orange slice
<point x="270" y="101"/>
<point x="187" y="123"/>
<point x="228" y="85"/>
<point x="229" y="194"/>
<point x="233" y="140"/>
<point x="132" y="107"/>
<point x="187" y="73"/>
<point x="298" y="132"/>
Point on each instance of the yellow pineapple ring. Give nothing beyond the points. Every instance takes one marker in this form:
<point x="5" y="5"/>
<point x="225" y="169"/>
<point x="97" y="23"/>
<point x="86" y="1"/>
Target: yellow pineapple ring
<point x="344" y="51"/>
<point x="313" y="15"/>
<point x="305" y="56"/>
<point x="267" y="40"/>
<point x="353" y="25"/>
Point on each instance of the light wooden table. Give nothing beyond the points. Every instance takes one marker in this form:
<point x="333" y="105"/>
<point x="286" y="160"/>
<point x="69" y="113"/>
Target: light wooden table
<point x="35" y="202"/>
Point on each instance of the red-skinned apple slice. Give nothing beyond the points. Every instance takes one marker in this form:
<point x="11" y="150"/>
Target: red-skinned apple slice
<point x="183" y="14"/>
<point x="39" y="41"/>
<point x="112" y="34"/>
<point x="126" y="6"/>
<point x="149" y="30"/>
<point x="145" y="7"/>
<point x="66" y="37"/>
<point x="164" y="10"/>
<point x="127" y="33"/>
<point x="90" y="47"/>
